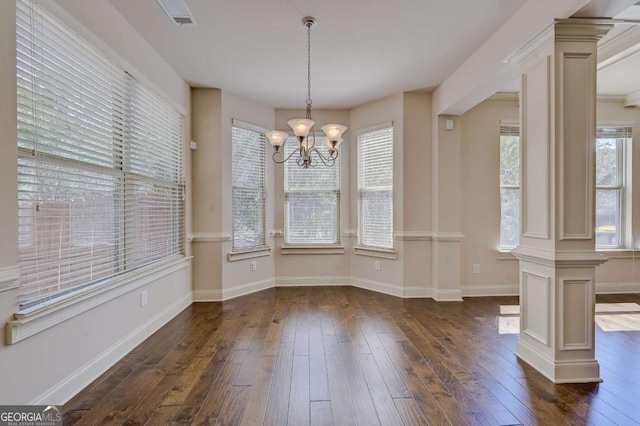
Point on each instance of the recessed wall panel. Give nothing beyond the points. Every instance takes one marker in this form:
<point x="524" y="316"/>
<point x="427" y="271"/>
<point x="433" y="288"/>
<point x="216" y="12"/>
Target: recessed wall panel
<point x="535" y="306"/>
<point x="535" y="151"/>
<point x="577" y="314"/>
<point x="576" y="139"/>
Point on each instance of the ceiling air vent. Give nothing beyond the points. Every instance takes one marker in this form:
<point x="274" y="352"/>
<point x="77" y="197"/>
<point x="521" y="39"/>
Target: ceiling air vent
<point x="178" y="12"/>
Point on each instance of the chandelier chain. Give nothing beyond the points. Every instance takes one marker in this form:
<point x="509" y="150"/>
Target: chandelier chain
<point x="309" y="101"/>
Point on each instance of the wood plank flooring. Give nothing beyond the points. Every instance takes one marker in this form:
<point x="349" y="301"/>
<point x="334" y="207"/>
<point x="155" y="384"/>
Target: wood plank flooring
<point x="346" y="356"/>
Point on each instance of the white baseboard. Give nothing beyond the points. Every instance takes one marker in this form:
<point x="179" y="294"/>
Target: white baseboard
<point x="447" y="295"/>
<point x="312" y="281"/>
<point x="207" y="295"/>
<point x="68" y="388"/>
<point x="380" y="287"/>
<point x="244" y="289"/>
<point x="232" y="292"/>
<point x="617" y="288"/>
<point x="490" y="290"/>
<point x="417" y="292"/>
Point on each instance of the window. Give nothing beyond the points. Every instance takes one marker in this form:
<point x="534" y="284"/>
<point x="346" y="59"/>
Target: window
<point x="509" y="186"/>
<point x="100" y="182"/>
<point x="375" y="187"/>
<point x="248" y="180"/>
<point x="312" y="201"/>
<point x="610" y="177"/>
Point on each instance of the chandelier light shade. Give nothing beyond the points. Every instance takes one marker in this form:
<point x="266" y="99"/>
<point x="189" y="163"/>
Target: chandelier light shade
<point x="277" y="138"/>
<point x="307" y="155"/>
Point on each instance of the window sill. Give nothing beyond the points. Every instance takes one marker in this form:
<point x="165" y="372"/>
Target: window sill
<point x="39" y="318"/>
<point x="505" y="254"/>
<point x="376" y="252"/>
<point x="619" y="253"/>
<point x="310" y="249"/>
<point x="234" y="256"/>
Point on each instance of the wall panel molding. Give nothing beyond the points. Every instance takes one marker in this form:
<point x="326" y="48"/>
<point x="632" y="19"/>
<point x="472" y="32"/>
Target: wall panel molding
<point x="576" y="144"/>
<point x="576" y="319"/>
<point x="536" y="138"/>
<point x="536" y="325"/>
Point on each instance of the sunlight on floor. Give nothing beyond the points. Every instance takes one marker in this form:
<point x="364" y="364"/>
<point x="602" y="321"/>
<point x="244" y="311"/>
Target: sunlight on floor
<point x="619" y="317"/>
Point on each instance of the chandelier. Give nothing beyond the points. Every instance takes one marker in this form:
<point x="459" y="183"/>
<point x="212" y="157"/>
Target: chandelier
<point x="306" y="154"/>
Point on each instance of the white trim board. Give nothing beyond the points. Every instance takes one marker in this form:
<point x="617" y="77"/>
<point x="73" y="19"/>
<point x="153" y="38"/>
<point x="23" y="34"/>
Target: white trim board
<point x="68" y="388"/>
<point x="312" y="281"/>
<point x="490" y="290"/>
<point x="387" y="288"/>
<point x="617" y="288"/>
<point x="232" y="292"/>
<point x="378" y="286"/>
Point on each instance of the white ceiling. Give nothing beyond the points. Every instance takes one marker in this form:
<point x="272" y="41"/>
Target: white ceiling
<point x="362" y="50"/>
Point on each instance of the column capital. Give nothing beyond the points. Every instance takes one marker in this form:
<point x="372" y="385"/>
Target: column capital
<point x="577" y="30"/>
<point x="580" y="29"/>
<point x="559" y="259"/>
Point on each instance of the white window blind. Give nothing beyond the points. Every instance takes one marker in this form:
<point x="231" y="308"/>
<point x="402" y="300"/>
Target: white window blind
<point x="312" y="200"/>
<point x="99" y="168"/>
<point x="509" y="186"/>
<point x="249" y="186"/>
<point x="610" y="190"/>
<point x="375" y="188"/>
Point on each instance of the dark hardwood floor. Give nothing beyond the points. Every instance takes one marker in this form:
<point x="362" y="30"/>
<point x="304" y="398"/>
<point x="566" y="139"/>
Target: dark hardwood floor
<point x="342" y="356"/>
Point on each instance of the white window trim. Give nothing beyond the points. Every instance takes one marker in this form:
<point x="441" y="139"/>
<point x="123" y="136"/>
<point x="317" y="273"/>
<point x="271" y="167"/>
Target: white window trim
<point x="313" y="246"/>
<point x="252" y="252"/>
<point x="38" y="318"/>
<point x="48" y="313"/>
<point x="624" y="188"/>
<point x="360" y="249"/>
<point x="501" y="248"/>
<point x="378" y="252"/>
<point x="234" y="256"/>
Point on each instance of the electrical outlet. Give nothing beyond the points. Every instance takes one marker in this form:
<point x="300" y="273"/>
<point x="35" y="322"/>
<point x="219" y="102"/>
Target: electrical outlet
<point x="376" y="265"/>
<point x="144" y="297"/>
<point x="253" y="266"/>
<point x="476" y="268"/>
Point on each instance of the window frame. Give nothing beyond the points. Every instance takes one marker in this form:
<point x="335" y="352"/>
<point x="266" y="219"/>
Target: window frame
<point x="511" y="125"/>
<point x="384" y="251"/>
<point x="288" y="246"/>
<point x="261" y="249"/>
<point x="118" y="93"/>
<point x="623" y="152"/>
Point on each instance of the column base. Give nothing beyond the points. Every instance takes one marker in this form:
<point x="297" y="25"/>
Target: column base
<point x="573" y="371"/>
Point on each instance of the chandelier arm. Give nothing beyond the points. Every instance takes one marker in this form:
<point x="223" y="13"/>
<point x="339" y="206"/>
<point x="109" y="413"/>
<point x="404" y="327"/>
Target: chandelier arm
<point x="275" y="154"/>
<point x="327" y="161"/>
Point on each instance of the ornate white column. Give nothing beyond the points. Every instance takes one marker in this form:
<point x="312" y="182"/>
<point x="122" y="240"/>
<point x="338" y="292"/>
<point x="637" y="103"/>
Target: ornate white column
<point x="557" y="246"/>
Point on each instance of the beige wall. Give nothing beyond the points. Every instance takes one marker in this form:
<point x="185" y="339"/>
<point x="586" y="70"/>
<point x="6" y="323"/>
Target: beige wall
<point x="480" y="201"/>
<point x="54" y="364"/>
<point x="416" y="208"/>
<point x="206" y="176"/>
